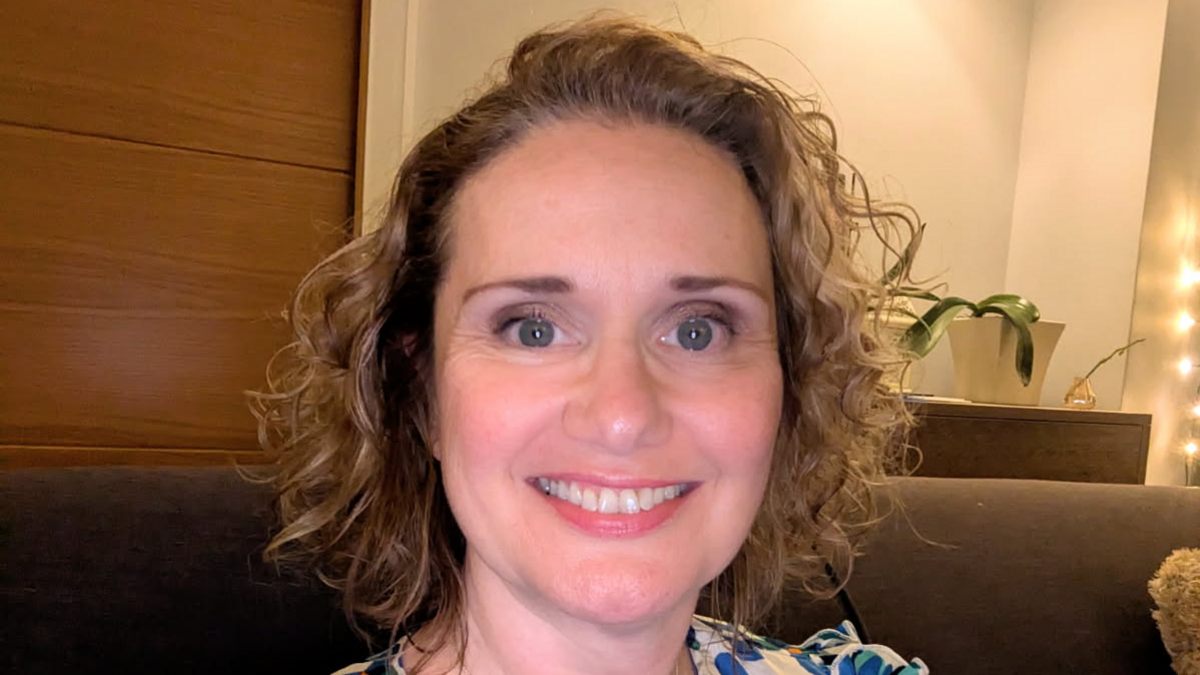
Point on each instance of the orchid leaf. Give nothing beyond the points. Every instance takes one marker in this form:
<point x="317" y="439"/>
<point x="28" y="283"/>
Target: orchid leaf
<point x="919" y="293"/>
<point x="921" y="337"/>
<point x="1017" y="317"/>
<point x="1015" y="307"/>
<point x="1020" y="313"/>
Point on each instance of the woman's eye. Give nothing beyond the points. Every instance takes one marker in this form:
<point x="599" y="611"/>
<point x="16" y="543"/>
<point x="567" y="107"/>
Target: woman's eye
<point x="535" y="332"/>
<point x="694" y="334"/>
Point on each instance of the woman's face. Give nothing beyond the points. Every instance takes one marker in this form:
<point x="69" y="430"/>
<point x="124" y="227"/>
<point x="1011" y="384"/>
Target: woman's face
<point x="605" y="332"/>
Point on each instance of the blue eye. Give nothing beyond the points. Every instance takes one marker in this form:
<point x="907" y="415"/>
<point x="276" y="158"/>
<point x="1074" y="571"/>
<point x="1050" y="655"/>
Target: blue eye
<point x="535" y="332"/>
<point x="694" y="334"/>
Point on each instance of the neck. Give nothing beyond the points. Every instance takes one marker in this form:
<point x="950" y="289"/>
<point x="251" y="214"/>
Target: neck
<point x="512" y="632"/>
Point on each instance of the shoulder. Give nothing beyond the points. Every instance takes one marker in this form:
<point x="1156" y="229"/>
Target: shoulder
<point x="835" y="651"/>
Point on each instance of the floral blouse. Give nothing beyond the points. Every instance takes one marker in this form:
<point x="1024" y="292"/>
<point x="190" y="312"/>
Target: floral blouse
<point x="836" y="651"/>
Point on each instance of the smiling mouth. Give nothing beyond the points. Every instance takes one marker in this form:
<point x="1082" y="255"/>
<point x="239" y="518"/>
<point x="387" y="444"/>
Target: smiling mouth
<point x="611" y="500"/>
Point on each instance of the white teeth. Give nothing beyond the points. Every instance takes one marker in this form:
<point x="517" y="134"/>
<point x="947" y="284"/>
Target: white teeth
<point x="645" y="498"/>
<point x="629" y="501"/>
<point x="609" y="500"/>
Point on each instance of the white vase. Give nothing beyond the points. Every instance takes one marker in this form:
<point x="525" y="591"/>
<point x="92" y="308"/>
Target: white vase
<point x="984" y="350"/>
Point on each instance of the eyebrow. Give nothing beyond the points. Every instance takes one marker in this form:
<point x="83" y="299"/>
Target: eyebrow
<point x="692" y="284"/>
<point x="528" y="285"/>
<point x="559" y="285"/>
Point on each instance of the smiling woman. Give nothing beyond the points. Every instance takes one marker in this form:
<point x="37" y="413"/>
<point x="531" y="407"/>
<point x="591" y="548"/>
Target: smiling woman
<point x="607" y="351"/>
<point x="603" y="386"/>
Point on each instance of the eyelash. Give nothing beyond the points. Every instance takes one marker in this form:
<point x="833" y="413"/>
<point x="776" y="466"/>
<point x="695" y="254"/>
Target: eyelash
<point x="512" y="316"/>
<point x="709" y="311"/>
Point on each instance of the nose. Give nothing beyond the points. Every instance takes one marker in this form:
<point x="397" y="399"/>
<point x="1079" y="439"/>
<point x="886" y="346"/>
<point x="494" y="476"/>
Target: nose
<point x="618" y="402"/>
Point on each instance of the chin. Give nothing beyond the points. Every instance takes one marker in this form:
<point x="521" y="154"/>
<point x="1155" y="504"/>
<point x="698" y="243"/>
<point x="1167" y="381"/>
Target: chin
<point x="622" y="594"/>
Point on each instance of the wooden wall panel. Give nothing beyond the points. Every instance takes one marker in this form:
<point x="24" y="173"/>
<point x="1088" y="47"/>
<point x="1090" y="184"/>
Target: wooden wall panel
<point x="272" y="79"/>
<point x="142" y="286"/>
<point x="24" y="457"/>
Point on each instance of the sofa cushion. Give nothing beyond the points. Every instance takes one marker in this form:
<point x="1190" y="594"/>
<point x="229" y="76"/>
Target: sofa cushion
<point x="1049" y="574"/>
<point x="107" y="570"/>
<point x="125" y="569"/>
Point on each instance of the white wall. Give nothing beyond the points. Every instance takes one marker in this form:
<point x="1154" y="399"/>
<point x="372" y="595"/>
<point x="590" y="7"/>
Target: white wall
<point x="1020" y="129"/>
<point x="1081" y="180"/>
<point x="1169" y="241"/>
<point x="927" y="96"/>
<point x="385" y="105"/>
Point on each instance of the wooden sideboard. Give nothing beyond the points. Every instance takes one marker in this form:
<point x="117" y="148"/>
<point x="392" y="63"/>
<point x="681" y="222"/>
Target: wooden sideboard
<point x="976" y="440"/>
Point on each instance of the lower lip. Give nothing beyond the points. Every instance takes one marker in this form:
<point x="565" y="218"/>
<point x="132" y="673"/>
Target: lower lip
<point x="616" y="525"/>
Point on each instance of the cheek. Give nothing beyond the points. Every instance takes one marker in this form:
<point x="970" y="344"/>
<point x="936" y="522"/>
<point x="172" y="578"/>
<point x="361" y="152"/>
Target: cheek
<point x="740" y="418"/>
<point x="489" y="412"/>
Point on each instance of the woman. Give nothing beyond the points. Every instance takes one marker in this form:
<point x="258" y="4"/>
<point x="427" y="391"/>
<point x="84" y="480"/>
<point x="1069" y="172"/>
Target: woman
<point x="606" y="352"/>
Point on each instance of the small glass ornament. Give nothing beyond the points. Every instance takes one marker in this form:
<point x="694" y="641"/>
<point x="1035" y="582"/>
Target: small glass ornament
<point x="1080" y="396"/>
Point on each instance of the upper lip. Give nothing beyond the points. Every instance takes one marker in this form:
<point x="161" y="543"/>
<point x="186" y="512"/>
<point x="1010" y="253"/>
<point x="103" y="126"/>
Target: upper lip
<point x="609" y="481"/>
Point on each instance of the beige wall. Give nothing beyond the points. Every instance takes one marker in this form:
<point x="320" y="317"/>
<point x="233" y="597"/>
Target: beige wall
<point x="927" y="96"/>
<point x="1168" y="242"/>
<point x="1081" y="180"/>
<point x="385" y="115"/>
<point x="1020" y="130"/>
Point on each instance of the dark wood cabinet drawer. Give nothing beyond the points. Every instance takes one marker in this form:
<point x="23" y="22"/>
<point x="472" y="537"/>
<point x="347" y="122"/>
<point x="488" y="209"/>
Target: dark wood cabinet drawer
<point x="968" y="440"/>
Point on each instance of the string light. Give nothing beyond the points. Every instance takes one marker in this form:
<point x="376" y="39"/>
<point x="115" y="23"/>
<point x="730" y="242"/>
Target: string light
<point x="1189" y="278"/>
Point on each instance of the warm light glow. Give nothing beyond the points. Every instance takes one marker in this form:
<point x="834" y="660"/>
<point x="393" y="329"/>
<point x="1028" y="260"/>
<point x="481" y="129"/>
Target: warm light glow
<point x="1185" y="321"/>
<point x="1190" y="448"/>
<point x="1189" y="276"/>
<point x="1185" y="366"/>
<point x="1196" y="410"/>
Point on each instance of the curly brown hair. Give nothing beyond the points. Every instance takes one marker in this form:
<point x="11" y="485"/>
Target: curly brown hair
<point x="349" y="406"/>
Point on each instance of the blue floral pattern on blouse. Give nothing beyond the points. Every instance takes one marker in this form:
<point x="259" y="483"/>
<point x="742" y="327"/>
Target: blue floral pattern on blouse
<point x="834" y="651"/>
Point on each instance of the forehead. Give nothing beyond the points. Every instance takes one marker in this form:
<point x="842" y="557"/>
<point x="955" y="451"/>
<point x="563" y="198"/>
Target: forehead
<point x="599" y="202"/>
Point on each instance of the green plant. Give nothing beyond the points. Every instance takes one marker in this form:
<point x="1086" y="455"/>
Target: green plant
<point x="924" y="334"/>
<point x="921" y="337"/>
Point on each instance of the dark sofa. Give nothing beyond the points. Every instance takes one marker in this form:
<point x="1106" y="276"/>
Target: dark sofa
<point x="138" y="570"/>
